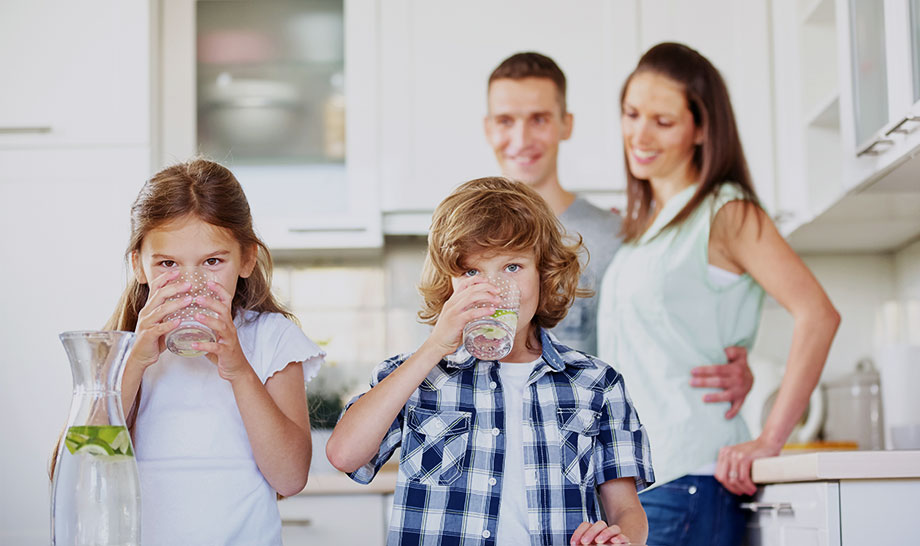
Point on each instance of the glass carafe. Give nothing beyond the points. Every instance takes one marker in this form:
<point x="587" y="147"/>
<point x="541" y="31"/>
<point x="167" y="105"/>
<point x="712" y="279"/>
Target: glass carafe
<point x="95" y="492"/>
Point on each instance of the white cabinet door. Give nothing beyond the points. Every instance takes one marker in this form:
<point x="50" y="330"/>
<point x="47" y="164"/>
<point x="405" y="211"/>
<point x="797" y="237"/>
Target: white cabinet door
<point x="296" y="205"/>
<point x="308" y="520"/>
<point x="796" y="514"/>
<point x="879" y="512"/>
<point x="436" y="57"/>
<point x="74" y="73"/>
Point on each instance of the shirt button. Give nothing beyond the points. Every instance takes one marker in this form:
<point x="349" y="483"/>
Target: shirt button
<point x="493" y="385"/>
<point x="492" y="481"/>
<point x="692" y="490"/>
<point x="495" y="432"/>
<point x="486" y="534"/>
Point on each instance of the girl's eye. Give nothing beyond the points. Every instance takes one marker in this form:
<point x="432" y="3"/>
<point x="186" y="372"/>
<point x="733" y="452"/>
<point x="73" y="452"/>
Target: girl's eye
<point x="470" y="273"/>
<point x="167" y="263"/>
<point x="512" y="268"/>
<point x="212" y="261"/>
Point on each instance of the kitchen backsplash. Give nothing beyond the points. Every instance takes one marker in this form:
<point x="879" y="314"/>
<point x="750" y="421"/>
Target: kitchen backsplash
<point x="361" y="310"/>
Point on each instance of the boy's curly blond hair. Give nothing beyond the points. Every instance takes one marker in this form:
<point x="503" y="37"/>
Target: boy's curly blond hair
<point x="497" y="214"/>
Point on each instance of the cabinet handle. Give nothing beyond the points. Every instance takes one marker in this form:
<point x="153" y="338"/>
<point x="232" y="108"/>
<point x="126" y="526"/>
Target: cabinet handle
<point x="898" y="128"/>
<point x="872" y="150"/>
<point x="771" y="506"/>
<point x="301" y="522"/>
<point x="783" y="216"/>
<point x="25" y="130"/>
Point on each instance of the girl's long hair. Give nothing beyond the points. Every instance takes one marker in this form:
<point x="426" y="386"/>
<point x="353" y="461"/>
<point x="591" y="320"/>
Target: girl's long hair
<point x="718" y="159"/>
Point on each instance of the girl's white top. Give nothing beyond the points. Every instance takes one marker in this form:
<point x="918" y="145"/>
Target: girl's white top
<point x="199" y="481"/>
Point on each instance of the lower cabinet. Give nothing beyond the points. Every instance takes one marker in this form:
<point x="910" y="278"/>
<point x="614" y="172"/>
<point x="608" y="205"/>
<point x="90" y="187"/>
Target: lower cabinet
<point x="835" y="513"/>
<point x="308" y="520"/>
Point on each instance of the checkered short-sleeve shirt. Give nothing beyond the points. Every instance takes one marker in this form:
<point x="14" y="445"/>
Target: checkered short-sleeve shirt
<point x="580" y="430"/>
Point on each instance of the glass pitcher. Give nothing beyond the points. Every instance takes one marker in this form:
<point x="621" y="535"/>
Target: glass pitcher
<point x="95" y="492"/>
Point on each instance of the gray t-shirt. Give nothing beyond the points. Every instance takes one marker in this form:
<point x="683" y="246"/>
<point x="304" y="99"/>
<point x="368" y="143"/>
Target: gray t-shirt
<point x="600" y="232"/>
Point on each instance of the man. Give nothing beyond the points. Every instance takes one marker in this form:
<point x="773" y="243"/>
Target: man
<point x="527" y="119"/>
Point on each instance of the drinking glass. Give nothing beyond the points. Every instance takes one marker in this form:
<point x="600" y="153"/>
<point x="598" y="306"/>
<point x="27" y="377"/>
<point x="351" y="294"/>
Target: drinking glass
<point x="492" y="337"/>
<point x="190" y="331"/>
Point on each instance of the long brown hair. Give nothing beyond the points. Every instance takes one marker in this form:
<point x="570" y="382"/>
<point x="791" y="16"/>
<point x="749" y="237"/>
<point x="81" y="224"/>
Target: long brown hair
<point x="497" y="214"/>
<point x="208" y="191"/>
<point x="719" y="159"/>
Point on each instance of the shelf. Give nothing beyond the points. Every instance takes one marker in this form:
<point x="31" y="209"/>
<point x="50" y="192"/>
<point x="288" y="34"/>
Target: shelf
<point x="826" y="115"/>
<point x="819" y="12"/>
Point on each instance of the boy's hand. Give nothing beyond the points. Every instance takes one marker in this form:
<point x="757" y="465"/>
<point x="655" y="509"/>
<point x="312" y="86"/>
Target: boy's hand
<point x="734" y="378"/>
<point x="461" y="308"/>
<point x="597" y="533"/>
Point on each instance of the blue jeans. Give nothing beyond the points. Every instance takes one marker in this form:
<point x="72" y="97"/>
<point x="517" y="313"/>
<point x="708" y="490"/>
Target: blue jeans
<point x="693" y="511"/>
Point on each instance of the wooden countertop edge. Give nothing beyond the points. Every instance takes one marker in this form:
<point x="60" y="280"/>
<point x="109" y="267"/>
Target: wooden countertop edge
<point x="837" y="465"/>
<point x="335" y="483"/>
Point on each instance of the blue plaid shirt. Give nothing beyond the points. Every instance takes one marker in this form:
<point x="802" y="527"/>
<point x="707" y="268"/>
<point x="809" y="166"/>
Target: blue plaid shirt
<point x="580" y="429"/>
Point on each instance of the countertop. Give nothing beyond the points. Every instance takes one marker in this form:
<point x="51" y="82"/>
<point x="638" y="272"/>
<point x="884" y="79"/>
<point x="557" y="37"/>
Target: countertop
<point x="336" y="483"/>
<point x="837" y="465"/>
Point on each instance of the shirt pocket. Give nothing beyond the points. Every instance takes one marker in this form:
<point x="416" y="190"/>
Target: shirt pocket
<point x="578" y="429"/>
<point x="434" y="449"/>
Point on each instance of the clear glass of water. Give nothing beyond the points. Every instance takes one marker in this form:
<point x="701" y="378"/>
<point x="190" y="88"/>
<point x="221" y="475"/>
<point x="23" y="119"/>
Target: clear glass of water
<point x="190" y="330"/>
<point x="492" y="337"/>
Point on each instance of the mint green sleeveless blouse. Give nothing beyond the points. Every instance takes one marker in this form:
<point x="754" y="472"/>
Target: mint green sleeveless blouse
<point x="659" y="316"/>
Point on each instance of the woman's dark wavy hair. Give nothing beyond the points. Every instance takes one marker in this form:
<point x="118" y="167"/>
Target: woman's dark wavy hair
<point x="719" y="159"/>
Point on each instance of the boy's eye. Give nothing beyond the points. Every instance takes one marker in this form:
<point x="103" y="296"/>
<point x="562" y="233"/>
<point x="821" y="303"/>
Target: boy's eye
<point x="470" y="273"/>
<point x="167" y="263"/>
<point x="511" y="268"/>
<point x="212" y="261"/>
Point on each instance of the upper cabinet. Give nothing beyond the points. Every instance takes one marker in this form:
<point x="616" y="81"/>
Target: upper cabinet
<point x="284" y="92"/>
<point x="847" y="122"/>
<point x="71" y="73"/>
<point x="436" y="58"/>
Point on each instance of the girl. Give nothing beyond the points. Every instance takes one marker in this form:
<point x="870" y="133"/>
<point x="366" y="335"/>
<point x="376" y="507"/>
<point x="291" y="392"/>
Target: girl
<point x="699" y="253"/>
<point x="216" y="436"/>
<point x="517" y="451"/>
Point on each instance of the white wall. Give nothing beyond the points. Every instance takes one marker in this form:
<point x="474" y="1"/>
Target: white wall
<point x="858" y="285"/>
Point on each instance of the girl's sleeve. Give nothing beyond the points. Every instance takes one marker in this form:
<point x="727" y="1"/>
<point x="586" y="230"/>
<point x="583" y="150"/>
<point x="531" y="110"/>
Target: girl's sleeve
<point x="622" y="448"/>
<point x="287" y="343"/>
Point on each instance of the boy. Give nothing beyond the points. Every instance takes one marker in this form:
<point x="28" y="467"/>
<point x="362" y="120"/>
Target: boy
<point x="509" y="452"/>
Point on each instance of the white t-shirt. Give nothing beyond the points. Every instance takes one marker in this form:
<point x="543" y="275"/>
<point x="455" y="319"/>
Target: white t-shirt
<point x="199" y="481"/>
<point x="512" y="511"/>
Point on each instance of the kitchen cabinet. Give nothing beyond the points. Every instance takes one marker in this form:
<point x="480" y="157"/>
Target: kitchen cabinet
<point x="436" y="57"/>
<point x="65" y="84"/>
<point x="335" y="510"/>
<point x="841" y="498"/>
<point x="847" y="122"/>
<point x="332" y="519"/>
<point x="244" y="88"/>
<point x="835" y="513"/>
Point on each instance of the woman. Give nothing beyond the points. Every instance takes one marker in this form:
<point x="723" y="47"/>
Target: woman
<point x="699" y="254"/>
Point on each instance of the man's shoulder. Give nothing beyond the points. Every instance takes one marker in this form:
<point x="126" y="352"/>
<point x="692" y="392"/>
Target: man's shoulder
<point x="582" y="213"/>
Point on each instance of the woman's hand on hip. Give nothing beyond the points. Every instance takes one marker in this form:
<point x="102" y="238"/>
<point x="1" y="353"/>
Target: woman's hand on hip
<point x="733" y="469"/>
<point x="734" y="378"/>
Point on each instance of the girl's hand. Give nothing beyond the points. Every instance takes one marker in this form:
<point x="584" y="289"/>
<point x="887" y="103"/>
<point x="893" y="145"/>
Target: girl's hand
<point x="461" y="308"/>
<point x="149" y="342"/>
<point x="733" y="469"/>
<point x="597" y="533"/>
<point x="226" y="351"/>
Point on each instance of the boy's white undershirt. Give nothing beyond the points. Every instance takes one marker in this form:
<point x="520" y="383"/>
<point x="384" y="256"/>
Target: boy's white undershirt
<point x="512" y="511"/>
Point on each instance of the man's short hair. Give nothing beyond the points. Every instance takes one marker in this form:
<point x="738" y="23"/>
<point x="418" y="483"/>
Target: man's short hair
<point x="530" y="64"/>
